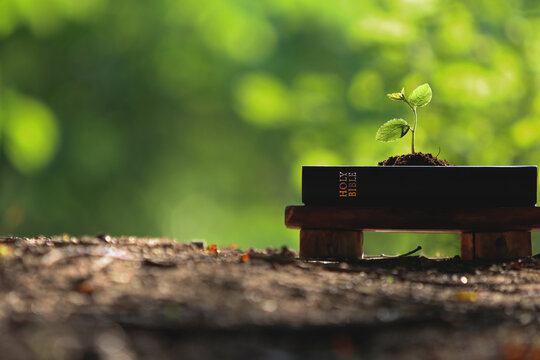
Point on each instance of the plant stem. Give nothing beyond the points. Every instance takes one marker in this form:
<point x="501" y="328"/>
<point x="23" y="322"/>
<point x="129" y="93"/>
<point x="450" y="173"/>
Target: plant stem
<point x="414" y="129"/>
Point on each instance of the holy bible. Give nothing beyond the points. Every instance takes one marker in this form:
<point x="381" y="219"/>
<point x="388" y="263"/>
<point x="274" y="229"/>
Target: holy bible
<point x="412" y="186"/>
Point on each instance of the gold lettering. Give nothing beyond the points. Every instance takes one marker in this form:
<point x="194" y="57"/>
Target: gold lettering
<point x="347" y="184"/>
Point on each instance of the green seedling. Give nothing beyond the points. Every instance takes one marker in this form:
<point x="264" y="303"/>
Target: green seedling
<point x="398" y="128"/>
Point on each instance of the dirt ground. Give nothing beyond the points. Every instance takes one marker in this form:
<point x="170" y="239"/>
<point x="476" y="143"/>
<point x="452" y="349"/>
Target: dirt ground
<point x="132" y="298"/>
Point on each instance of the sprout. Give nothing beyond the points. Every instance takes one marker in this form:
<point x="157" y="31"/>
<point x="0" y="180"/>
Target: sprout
<point x="398" y="128"/>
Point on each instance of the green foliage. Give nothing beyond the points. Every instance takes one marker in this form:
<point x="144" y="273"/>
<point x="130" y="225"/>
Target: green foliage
<point x="191" y="119"/>
<point x="262" y="99"/>
<point x="30" y="132"/>
<point x="397" y="128"/>
<point x="421" y="96"/>
<point x="397" y="96"/>
<point x="392" y="130"/>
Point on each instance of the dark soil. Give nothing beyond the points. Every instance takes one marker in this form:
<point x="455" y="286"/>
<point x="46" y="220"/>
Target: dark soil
<point x="131" y="298"/>
<point x="414" y="159"/>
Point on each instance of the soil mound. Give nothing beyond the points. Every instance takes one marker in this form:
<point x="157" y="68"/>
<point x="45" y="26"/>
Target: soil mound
<point x="414" y="159"/>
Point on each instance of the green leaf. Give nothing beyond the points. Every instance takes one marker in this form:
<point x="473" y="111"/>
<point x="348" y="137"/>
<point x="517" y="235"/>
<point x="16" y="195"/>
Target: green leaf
<point x="392" y="130"/>
<point x="397" y="96"/>
<point x="421" y="96"/>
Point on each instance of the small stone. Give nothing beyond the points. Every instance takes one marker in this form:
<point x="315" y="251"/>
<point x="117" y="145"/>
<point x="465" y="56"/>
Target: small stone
<point x="387" y="315"/>
<point x="269" y="306"/>
<point x="85" y="287"/>
<point x="525" y="319"/>
<point x="105" y="237"/>
<point x="198" y="244"/>
<point x="288" y="253"/>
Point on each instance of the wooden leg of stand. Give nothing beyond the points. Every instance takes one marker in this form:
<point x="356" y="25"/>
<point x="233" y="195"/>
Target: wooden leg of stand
<point x="335" y="244"/>
<point x="495" y="245"/>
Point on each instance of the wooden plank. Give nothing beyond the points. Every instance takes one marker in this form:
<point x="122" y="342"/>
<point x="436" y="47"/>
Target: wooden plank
<point x="495" y="245"/>
<point x="331" y="244"/>
<point x="467" y="246"/>
<point x="413" y="220"/>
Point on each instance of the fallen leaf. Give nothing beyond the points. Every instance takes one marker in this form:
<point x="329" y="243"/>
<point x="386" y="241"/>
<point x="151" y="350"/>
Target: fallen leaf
<point x="245" y="257"/>
<point x="467" y="296"/>
<point x="5" y="250"/>
<point x="520" y="351"/>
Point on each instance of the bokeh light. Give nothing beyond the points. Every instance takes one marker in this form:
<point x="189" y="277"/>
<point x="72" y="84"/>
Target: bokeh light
<point x="191" y="119"/>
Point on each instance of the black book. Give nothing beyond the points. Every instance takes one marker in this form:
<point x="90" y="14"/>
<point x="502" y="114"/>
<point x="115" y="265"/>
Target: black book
<point x="413" y="186"/>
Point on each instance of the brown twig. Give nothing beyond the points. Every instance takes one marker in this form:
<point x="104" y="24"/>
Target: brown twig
<point x="418" y="248"/>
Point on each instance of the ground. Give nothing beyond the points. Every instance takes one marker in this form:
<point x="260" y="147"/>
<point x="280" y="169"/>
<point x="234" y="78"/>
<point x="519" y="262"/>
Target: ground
<point x="132" y="298"/>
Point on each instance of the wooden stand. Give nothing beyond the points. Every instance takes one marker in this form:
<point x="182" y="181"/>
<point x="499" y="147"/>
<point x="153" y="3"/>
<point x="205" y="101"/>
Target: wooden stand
<point x="495" y="245"/>
<point x="335" y="244"/>
<point x="337" y="232"/>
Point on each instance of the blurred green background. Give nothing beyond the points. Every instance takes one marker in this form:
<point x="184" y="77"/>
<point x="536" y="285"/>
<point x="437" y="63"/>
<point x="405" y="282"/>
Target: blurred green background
<point x="191" y="119"/>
